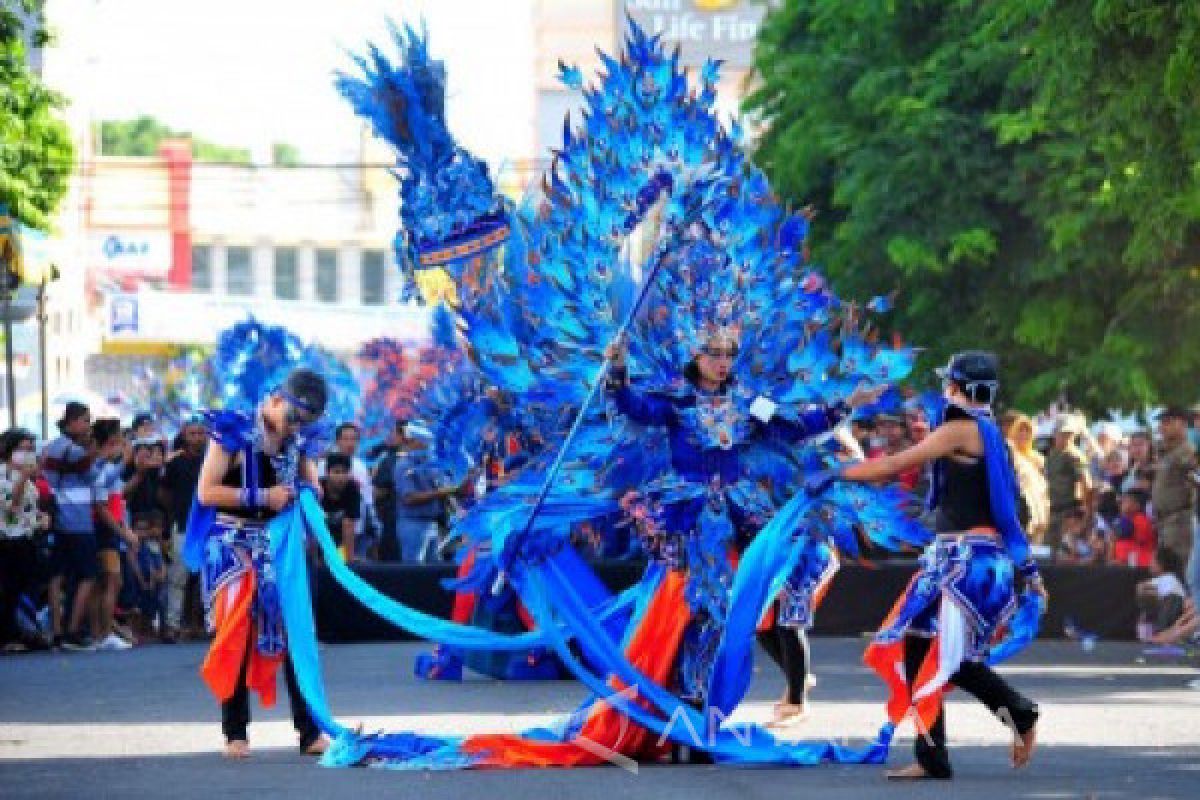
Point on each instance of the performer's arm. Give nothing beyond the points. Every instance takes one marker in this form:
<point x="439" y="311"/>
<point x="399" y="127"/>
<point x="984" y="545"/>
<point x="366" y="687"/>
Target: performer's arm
<point x="814" y="420"/>
<point x="809" y="421"/>
<point x="642" y="408"/>
<point x="945" y="440"/>
<point x="210" y="490"/>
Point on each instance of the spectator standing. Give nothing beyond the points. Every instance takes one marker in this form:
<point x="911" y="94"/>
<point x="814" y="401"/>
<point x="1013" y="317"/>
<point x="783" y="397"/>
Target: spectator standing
<point x="420" y="497"/>
<point x="68" y="466"/>
<point x="177" y="490"/>
<point x="113" y="535"/>
<point x="383" y="482"/>
<point x="1108" y="487"/>
<point x="1108" y="440"/>
<point x="1030" y="468"/>
<point x="20" y="519"/>
<point x="346" y="440"/>
<point x="142" y="487"/>
<point x="1140" y="474"/>
<point x="1172" y="495"/>
<point x="150" y="572"/>
<point x="342" y="502"/>
<point x="1068" y="479"/>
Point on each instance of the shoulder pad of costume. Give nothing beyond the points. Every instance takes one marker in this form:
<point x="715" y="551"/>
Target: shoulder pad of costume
<point x="230" y="429"/>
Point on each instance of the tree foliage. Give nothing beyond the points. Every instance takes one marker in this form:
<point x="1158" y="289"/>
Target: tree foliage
<point x="36" y="154"/>
<point x="1026" y="172"/>
<point x="142" y="136"/>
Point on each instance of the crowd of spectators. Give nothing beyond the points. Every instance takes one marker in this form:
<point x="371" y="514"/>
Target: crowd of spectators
<point x="93" y="521"/>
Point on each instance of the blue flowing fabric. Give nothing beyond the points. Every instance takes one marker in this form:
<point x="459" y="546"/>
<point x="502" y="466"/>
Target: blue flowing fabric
<point x="200" y="522"/>
<point x="761" y="574"/>
<point x="568" y="614"/>
<point x="1003" y="493"/>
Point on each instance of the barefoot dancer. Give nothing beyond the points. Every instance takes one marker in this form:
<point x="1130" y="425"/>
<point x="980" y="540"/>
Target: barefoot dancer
<point x="940" y="629"/>
<point x="248" y="476"/>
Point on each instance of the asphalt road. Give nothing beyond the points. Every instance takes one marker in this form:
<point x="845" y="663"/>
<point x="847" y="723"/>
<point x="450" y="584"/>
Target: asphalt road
<point x="139" y="723"/>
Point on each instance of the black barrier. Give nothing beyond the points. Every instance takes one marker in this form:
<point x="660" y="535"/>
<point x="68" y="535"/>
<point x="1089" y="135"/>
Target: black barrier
<point x="1099" y="600"/>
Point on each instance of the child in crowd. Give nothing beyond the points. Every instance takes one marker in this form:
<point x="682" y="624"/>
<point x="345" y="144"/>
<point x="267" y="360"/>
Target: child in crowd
<point x="1134" y="540"/>
<point x="1161" y="598"/>
<point x="151" y="572"/>
<point x="1080" y="545"/>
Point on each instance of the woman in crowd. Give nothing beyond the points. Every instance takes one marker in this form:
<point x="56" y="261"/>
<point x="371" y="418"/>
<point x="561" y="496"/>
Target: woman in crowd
<point x="1030" y="467"/>
<point x="19" y="521"/>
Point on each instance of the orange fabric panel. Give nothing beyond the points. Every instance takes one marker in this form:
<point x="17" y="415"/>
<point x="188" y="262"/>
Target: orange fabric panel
<point x="652" y="650"/>
<point x="464" y="602"/>
<point x="888" y="662"/>
<point x="235" y="632"/>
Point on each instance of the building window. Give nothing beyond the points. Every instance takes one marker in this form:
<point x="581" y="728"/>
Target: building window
<point x="327" y="276"/>
<point x="285" y="273"/>
<point x="372" y="278"/>
<point x="202" y="268"/>
<point x="239" y="274"/>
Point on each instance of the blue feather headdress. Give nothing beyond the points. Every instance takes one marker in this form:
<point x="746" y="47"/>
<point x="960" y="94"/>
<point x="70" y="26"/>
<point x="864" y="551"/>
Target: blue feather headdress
<point x="252" y="359"/>
<point x="449" y="208"/>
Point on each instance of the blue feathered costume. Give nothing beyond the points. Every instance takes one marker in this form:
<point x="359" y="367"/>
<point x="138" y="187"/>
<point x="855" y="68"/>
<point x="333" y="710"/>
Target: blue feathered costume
<point x="650" y="223"/>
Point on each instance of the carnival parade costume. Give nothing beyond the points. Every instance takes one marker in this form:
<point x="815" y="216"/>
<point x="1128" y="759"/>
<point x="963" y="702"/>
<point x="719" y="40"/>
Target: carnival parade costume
<point x="962" y="611"/>
<point x="543" y="288"/>
<point x="230" y="547"/>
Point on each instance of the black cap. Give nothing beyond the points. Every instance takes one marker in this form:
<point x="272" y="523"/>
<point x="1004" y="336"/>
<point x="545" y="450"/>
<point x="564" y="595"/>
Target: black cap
<point x="975" y="372"/>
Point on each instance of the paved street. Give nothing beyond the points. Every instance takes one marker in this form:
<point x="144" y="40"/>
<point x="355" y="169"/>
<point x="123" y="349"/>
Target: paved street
<point x="139" y="723"/>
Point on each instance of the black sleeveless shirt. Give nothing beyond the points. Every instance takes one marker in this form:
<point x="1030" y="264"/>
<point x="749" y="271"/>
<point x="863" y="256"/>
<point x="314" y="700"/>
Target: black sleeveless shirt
<point x="964" y="501"/>
<point x="236" y="477"/>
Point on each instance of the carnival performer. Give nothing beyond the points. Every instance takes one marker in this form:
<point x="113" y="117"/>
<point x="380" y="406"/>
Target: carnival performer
<point x="941" y="629"/>
<point x="250" y="473"/>
<point x="543" y="288"/>
<point x="784" y="635"/>
<point x="704" y="509"/>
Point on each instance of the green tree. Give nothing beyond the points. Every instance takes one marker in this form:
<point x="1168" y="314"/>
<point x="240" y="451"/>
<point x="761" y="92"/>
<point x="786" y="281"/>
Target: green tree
<point x="1027" y="172"/>
<point x="142" y="136"/>
<point x="36" y="154"/>
<point x="284" y="155"/>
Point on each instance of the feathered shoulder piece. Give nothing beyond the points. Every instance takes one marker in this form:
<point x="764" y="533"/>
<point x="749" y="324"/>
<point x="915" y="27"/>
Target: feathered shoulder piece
<point x="448" y="203"/>
<point x="251" y="360"/>
<point x="232" y="430"/>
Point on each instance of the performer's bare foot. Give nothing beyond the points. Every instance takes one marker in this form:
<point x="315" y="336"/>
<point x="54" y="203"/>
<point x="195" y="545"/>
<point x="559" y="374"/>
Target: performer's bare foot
<point x="317" y="746"/>
<point x="237" y="748"/>
<point x="1022" y="747"/>
<point x="913" y="772"/>
<point x="786" y="713"/>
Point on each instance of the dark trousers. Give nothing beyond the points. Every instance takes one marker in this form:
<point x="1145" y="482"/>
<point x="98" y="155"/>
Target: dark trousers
<point x="235" y="712"/>
<point x="18" y="573"/>
<point x="1013" y="708"/>
<point x="788" y="647"/>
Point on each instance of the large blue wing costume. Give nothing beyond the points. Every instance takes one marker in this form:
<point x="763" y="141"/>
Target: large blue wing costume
<point x="648" y="190"/>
